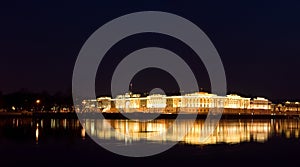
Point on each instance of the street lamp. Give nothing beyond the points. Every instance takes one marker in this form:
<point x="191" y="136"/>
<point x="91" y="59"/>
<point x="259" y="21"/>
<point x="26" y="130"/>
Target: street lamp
<point x="37" y="103"/>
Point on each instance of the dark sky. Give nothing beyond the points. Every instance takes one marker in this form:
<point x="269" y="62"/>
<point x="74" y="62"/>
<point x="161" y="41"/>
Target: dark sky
<point x="258" y="41"/>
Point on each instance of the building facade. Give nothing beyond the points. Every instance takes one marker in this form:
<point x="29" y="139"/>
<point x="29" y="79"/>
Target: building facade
<point x="260" y="103"/>
<point x="189" y="103"/>
<point x="291" y="106"/>
<point x="234" y="101"/>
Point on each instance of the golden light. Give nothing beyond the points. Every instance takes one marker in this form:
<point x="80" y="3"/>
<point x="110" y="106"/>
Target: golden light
<point x="83" y="133"/>
<point x="37" y="133"/>
<point x="38" y="101"/>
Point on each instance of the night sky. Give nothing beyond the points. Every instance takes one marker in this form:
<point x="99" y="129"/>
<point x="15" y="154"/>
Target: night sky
<point x="258" y="42"/>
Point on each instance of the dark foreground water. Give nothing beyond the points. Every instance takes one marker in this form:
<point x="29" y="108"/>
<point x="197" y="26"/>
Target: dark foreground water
<point x="64" y="142"/>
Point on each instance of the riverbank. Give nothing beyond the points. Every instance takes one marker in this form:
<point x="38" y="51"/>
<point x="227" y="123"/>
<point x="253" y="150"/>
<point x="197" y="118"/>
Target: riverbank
<point x="142" y="115"/>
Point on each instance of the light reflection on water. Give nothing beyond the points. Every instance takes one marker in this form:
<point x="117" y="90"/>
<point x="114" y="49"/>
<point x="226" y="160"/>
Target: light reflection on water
<point x="229" y="131"/>
<point x="37" y="133"/>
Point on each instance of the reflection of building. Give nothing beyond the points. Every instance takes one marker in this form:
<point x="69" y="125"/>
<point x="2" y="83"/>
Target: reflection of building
<point x="226" y="131"/>
<point x="191" y="103"/>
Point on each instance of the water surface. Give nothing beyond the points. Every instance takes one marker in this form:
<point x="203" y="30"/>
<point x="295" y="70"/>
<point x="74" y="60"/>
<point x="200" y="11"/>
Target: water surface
<point x="65" y="141"/>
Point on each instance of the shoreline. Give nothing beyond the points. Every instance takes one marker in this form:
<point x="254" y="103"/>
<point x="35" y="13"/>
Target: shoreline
<point x="143" y="116"/>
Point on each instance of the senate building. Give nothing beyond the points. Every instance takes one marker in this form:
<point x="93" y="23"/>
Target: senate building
<point x="197" y="102"/>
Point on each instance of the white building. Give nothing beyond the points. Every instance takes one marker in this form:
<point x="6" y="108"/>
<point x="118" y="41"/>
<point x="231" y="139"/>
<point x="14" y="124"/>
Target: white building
<point x="156" y="101"/>
<point x="260" y="103"/>
<point x="234" y="101"/>
<point x="202" y="100"/>
<point x="193" y="102"/>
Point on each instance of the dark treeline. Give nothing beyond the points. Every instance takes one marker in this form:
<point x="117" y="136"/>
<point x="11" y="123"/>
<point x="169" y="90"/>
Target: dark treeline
<point x="24" y="100"/>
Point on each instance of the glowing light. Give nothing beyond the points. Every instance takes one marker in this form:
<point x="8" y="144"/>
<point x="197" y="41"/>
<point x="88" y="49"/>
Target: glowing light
<point x="37" y="134"/>
<point x="227" y="131"/>
<point x="65" y="123"/>
<point x="83" y="133"/>
<point x="297" y="134"/>
<point x="38" y="101"/>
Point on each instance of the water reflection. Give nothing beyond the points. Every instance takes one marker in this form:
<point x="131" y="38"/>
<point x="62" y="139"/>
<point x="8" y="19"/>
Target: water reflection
<point x="83" y="133"/>
<point x="227" y="131"/>
<point x="37" y="133"/>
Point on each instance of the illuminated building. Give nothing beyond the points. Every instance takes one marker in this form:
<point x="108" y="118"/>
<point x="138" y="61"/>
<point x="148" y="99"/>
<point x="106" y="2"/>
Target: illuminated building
<point x="131" y="103"/>
<point x="291" y="106"/>
<point x="104" y="103"/>
<point x="200" y="99"/>
<point x="128" y="102"/>
<point x="234" y="101"/>
<point x="189" y="103"/>
<point x="122" y="101"/>
<point x="89" y="105"/>
<point x="173" y="104"/>
<point x="260" y="103"/>
<point x="156" y="101"/>
<point x="201" y="102"/>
